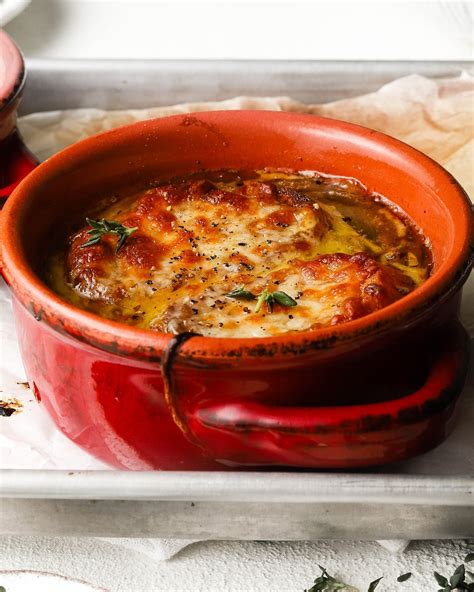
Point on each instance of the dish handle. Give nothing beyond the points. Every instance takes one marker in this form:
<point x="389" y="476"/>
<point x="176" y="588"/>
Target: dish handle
<point x="249" y="433"/>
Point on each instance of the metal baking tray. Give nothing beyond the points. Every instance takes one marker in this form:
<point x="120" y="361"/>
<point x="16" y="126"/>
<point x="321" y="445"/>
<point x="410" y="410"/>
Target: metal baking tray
<point x="411" y="500"/>
<point x="134" y="84"/>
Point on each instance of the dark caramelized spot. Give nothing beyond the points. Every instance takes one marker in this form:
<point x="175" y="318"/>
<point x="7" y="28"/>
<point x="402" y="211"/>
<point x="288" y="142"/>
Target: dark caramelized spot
<point x="281" y="218"/>
<point x="141" y="251"/>
<point x="226" y="198"/>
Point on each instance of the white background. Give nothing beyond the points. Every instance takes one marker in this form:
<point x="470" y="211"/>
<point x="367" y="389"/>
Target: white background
<point x="300" y="29"/>
<point x="378" y="30"/>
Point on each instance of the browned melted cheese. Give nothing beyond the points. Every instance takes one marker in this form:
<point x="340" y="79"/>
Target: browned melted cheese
<point x="339" y="252"/>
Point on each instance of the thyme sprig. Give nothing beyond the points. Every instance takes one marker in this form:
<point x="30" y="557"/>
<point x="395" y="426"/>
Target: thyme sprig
<point x="326" y="583"/>
<point x="101" y="227"/>
<point x="457" y="581"/>
<point x="265" y="297"/>
<point x="240" y="293"/>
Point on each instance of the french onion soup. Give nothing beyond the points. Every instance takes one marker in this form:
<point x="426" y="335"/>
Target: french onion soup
<point x="241" y="254"/>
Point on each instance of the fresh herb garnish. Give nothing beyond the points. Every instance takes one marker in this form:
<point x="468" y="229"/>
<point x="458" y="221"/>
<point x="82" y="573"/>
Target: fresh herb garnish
<point x="269" y="298"/>
<point x="283" y="299"/>
<point x="374" y="584"/>
<point x="404" y="577"/>
<point x="2" y="589"/>
<point x="469" y="557"/>
<point x="240" y="293"/>
<point x="101" y="227"/>
<point x="325" y="582"/>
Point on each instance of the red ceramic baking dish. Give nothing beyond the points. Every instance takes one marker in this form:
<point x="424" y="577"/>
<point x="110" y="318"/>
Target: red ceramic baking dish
<point x="374" y="390"/>
<point x="15" y="159"/>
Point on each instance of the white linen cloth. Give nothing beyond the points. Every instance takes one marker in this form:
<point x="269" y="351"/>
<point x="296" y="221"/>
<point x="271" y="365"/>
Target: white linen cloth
<point x="230" y="566"/>
<point x="162" y="549"/>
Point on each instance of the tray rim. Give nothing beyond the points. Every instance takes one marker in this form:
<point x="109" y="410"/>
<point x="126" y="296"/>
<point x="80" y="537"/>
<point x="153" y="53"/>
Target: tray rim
<point x="329" y="65"/>
<point x="238" y="486"/>
<point x="177" y="81"/>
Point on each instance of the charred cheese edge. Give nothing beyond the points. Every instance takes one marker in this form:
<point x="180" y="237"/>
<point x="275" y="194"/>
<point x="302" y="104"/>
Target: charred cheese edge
<point x="339" y="252"/>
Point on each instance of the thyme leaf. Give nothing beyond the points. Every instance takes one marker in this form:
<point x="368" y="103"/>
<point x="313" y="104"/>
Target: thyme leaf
<point x="240" y="293"/>
<point x="457" y="577"/>
<point x="404" y="577"/>
<point x="265" y="297"/>
<point x="442" y="581"/>
<point x="101" y="227"/>
<point x="283" y="299"/>
<point x="374" y="584"/>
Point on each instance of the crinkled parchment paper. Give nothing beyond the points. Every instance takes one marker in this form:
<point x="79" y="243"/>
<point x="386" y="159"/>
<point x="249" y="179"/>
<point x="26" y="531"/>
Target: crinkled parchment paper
<point x="437" y="117"/>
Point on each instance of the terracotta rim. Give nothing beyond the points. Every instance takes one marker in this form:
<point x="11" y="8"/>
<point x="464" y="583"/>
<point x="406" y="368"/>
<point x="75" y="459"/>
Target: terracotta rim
<point x="145" y="344"/>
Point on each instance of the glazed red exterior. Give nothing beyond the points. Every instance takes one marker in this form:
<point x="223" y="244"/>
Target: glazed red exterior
<point x="15" y="159"/>
<point x="371" y="391"/>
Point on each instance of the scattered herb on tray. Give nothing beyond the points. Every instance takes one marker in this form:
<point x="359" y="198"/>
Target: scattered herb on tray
<point x="374" y="584"/>
<point x="326" y="583"/>
<point x="404" y="577"/>
<point x="457" y="581"/>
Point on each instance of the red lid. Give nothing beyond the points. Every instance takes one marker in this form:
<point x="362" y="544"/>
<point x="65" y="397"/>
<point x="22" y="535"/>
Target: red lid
<point x="11" y="68"/>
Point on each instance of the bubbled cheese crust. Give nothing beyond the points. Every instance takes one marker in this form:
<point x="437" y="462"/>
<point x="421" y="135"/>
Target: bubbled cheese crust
<point x="199" y="240"/>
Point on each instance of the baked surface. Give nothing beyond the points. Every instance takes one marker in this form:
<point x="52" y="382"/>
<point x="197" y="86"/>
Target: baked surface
<point x="337" y="252"/>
